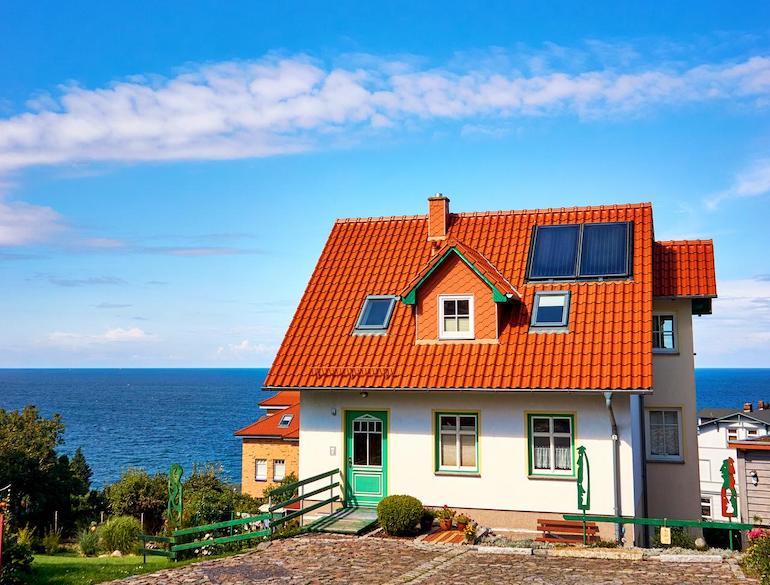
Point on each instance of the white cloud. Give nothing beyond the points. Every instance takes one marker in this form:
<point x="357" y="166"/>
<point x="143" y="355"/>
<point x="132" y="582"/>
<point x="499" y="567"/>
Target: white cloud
<point x="738" y="333"/>
<point x="245" y="349"/>
<point x="751" y="182"/>
<point x="23" y="223"/>
<point x="118" y="335"/>
<point x="274" y="106"/>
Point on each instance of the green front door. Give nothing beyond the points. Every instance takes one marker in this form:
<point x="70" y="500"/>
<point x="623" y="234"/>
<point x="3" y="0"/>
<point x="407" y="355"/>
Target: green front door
<point x="366" y="457"/>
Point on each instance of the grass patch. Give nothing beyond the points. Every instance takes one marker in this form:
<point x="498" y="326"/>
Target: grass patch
<point x="72" y="569"/>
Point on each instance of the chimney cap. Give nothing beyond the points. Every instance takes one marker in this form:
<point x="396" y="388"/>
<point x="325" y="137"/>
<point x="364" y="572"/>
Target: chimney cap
<point x="748" y="407"/>
<point x="438" y="196"/>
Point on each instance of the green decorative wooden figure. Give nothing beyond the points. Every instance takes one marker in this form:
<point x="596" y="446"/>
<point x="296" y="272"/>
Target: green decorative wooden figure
<point x="175" y="495"/>
<point x="583" y="486"/>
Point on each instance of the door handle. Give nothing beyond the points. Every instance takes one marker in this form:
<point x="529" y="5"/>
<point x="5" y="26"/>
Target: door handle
<point x="350" y="461"/>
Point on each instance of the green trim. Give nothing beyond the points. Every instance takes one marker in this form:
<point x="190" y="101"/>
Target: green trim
<point x="530" y="465"/>
<point x="411" y="297"/>
<point x="437" y="444"/>
<point x="352" y="471"/>
<point x="660" y="521"/>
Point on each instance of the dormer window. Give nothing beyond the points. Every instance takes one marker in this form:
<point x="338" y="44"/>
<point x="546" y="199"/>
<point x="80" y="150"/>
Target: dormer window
<point x="456" y="317"/>
<point x="285" y="420"/>
<point x="376" y="312"/>
<point x="592" y="250"/>
<point x="550" y="309"/>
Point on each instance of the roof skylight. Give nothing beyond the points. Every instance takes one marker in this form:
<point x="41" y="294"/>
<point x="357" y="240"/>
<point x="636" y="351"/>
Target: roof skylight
<point x="376" y="312"/>
<point x="285" y="420"/>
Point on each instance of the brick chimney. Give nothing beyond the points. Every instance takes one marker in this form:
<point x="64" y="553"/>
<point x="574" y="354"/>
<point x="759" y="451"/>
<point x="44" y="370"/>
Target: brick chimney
<point x="761" y="405"/>
<point x="438" y="217"/>
<point x="747" y="407"/>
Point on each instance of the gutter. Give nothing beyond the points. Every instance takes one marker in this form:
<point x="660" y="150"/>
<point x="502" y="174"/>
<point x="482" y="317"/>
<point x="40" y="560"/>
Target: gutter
<point x="617" y="508"/>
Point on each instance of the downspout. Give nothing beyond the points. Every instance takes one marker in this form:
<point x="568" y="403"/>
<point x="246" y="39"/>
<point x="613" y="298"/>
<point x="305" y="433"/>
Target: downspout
<point x="615" y="464"/>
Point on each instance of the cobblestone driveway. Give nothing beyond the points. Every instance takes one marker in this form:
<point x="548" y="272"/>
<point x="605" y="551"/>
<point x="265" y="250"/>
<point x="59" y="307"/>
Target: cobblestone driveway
<point x="369" y="561"/>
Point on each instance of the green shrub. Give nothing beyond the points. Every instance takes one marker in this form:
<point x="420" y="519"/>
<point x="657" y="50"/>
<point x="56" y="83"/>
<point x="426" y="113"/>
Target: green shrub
<point x="426" y="519"/>
<point x="121" y="533"/>
<point x="138" y="492"/>
<point x="26" y="537"/>
<point x="398" y="515"/>
<point x="680" y="537"/>
<point x="52" y="542"/>
<point x="757" y="557"/>
<point x="17" y="561"/>
<point x="88" y="541"/>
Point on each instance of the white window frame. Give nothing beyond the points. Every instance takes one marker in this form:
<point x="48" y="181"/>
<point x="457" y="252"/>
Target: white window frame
<point x="536" y="306"/>
<point x="470" y="334"/>
<point x="552" y="435"/>
<point x="706" y="501"/>
<point x="457" y="433"/>
<point x="680" y="423"/>
<point x="257" y="476"/>
<point x="731" y="431"/>
<point x="674" y="332"/>
<point x="276" y="464"/>
<point x="285" y="417"/>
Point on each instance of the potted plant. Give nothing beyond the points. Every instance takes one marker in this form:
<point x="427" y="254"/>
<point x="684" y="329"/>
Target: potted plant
<point x="461" y="521"/>
<point x="470" y="532"/>
<point x="426" y="520"/>
<point x="445" y="516"/>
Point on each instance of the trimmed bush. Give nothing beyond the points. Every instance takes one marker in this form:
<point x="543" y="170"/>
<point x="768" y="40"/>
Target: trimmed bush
<point x="121" y="533"/>
<point x="399" y="515"/>
<point x="88" y="541"/>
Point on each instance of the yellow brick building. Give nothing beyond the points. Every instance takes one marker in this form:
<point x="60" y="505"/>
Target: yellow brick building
<point x="270" y="446"/>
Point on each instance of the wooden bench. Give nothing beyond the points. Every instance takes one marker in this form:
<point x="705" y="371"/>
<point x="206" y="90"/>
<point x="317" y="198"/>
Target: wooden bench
<point x="566" y="531"/>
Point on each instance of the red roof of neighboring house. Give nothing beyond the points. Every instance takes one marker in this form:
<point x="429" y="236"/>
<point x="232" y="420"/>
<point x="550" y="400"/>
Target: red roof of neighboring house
<point x="268" y="426"/>
<point x="609" y="345"/>
<point x="281" y="399"/>
<point x="684" y="269"/>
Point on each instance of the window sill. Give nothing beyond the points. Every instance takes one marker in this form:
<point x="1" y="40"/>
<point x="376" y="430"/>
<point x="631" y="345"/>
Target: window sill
<point x="665" y="351"/>
<point x="260" y="479"/>
<point x="674" y="461"/>
<point x="548" y="329"/>
<point x="552" y="476"/>
<point x="458" y="473"/>
<point x="365" y="332"/>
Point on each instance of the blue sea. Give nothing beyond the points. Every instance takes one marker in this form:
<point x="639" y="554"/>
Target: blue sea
<point x="154" y="417"/>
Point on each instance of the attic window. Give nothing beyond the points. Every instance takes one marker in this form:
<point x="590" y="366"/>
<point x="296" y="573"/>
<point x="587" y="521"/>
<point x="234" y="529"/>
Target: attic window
<point x="593" y="250"/>
<point x="376" y="312"/>
<point x="551" y="309"/>
<point x="285" y="420"/>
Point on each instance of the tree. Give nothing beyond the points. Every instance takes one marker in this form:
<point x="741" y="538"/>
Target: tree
<point x="136" y="493"/>
<point x="28" y="461"/>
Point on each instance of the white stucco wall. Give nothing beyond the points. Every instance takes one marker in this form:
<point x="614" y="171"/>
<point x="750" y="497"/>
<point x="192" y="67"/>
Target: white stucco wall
<point x="503" y="482"/>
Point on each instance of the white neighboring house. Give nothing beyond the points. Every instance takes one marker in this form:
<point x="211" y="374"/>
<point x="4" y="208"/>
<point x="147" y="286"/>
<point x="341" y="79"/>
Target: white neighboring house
<point x="716" y="428"/>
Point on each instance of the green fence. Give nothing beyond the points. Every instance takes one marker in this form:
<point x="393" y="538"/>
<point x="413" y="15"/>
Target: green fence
<point x="269" y="521"/>
<point x="661" y="522"/>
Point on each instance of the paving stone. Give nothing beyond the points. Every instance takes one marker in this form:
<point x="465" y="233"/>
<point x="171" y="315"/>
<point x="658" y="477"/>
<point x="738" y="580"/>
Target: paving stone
<point x="324" y="559"/>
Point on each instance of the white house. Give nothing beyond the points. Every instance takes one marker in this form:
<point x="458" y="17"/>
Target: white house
<point x="717" y="428"/>
<point x="463" y="357"/>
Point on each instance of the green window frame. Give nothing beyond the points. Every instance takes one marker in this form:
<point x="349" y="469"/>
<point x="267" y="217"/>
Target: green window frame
<point x="547" y="456"/>
<point x="454" y="452"/>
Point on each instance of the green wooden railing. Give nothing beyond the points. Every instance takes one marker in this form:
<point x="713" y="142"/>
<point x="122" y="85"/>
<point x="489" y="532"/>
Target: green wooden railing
<point x="270" y="520"/>
<point x="662" y="522"/>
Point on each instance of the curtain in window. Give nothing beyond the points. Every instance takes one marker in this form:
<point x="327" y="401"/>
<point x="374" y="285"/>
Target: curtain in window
<point x="448" y="450"/>
<point x="562" y="453"/>
<point x="468" y="450"/>
<point x="604" y="249"/>
<point x="542" y="453"/>
<point x="555" y="252"/>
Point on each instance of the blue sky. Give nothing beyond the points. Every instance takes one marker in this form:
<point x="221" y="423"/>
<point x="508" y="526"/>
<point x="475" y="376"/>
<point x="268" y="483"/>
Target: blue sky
<point x="169" y="171"/>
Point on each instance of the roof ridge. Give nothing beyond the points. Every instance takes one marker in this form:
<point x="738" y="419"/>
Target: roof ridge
<point x="640" y="205"/>
<point x="690" y="241"/>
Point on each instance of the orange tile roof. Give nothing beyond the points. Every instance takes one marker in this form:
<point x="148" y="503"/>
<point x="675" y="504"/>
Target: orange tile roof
<point x="477" y="261"/>
<point x="267" y="426"/>
<point x="684" y="268"/>
<point x="281" y="399"/>
<point x="609" y="345"/>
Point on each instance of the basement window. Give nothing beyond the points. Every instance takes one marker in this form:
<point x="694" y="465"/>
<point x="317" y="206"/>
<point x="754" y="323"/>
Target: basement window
<point x="376" y="312"/>
<point x="285" y="420"/>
